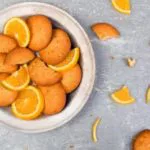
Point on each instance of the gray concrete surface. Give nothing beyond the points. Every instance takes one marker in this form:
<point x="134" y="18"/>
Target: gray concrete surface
<point x="119" y="123"/>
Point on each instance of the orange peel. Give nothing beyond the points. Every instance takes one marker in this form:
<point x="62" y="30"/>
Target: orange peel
<point x="94" y="129"/>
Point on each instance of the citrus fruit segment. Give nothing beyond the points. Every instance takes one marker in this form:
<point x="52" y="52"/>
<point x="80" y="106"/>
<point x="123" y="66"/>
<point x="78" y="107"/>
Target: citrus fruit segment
<point x="123" y="96"/>
<point x="148" y="95"/>
<point x="122" y="6"/>
<point x="70" y="61"/>
<point x="18" y="80"/>
<point x="105" y="31"/>
<point x="29" y="103"/>
<point x="94" y="129"/>
<point x="18" y="29"/>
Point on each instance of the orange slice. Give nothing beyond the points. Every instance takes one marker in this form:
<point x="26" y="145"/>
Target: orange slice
<point x="70" y="61"/>
<point x="122" y="6"/>
<point x="18" y="80"/>
<point x="29" y="103"/>
<point x="123" y="96"/>
<point x="94" y="129"/>
<point x="18" y="29"/>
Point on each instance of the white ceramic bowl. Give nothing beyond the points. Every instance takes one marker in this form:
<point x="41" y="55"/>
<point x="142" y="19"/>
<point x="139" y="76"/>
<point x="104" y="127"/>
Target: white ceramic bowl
<point x="78" y="99"/>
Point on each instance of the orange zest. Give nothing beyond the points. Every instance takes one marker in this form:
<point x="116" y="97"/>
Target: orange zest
<point x="148" y="96"/>
<point x="122" y="6"/>
<point x="70" y="61"/>
<point x="94" y="129"/>
<point x="29" y="103"/>
<point x="18" y="80"/>
<point x="123" y="96"/>
<point x="18" y="29"/>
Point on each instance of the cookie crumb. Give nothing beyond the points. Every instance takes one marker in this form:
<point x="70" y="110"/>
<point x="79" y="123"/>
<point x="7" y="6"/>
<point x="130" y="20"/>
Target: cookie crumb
<point x="26" y="147"/>
<point x="71" y="146"/>
<point x="112" y="57"/>
<point x="131" y="62"/>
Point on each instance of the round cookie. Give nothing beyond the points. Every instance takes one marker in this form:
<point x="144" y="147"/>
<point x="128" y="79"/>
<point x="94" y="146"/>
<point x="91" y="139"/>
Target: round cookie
<point x="142" y="141"/>
<point x="71" y="78"/>
<point x="105" y="31"/>
<point x="55" y="98"/>
<point x="7" y="97"/>
<point x="19" y="55"/>
<point x="57" y="49"/>
<point x="41" y="32"/>
<point x="40" y="74"/>
<point x="3" y="76"/>
<point x="4" y="68"/>
<point x="7" y="43"/>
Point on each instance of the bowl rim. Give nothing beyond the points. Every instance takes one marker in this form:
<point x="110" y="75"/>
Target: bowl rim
<point x="93" y="65"/>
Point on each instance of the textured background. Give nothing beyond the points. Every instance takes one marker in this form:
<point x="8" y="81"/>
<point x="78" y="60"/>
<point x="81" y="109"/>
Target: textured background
<point x="119" y="123"/>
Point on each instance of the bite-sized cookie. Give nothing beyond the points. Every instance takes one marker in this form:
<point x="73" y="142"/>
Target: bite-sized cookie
<point x="7" y="43"/>
<point x="4" y="68"/>
<point x="71" y="78"/>
<point x="7" y="97"/>
<point x="41" y="74"/>
<point x="105" y="31"/>
<point x="3" y="76"/>
<point x="57" y="49"/>
<point x="142" y="141"/>
<point x="19" y="55"/>
<point x="41" y="32"/>
<point x="55" y="98"/>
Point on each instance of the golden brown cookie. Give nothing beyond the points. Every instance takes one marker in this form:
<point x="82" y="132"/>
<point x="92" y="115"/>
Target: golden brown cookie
<point x="142" y="141"/>
<point x="41" y="74"/>
<point x="19" y="56"/>
<point x="7" y="43"/>
<point x="3" y="76"/>
<point x="4" y="68"/>
<point x="41" y="32"/>
<point x="55" y="98"/>
<point x="105" y="31"/>
<point x="57" y="49"/>
<point x="7" y="96"/>
<point x="71" y="78"/>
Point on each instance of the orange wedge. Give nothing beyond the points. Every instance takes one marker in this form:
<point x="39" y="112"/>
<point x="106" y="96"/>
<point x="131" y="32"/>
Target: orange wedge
<point x="123" y="96"/>
<point x="70" y="61"/>
<point x="18" y="29"/>
<point x="18" y="80"/>
<point x="122" y="6"/>
<point x="29" y="103"/>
